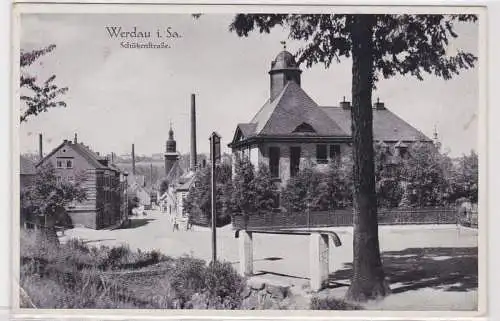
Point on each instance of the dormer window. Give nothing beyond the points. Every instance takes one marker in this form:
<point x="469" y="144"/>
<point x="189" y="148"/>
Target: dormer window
<point x="304" y="128"/>
<point x="239" y="135"/>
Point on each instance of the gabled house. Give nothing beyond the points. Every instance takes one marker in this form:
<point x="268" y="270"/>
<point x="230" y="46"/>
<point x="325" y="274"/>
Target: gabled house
<point x="291" y="129"/>
<point x="27" y="171"/>
<point x="105" y="184"/>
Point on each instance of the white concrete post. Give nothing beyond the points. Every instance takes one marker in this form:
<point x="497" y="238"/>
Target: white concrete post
<point x="246" y="253"/>
<point x="318" y="260"/>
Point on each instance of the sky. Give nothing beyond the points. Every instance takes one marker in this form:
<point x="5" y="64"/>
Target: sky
<point x="118" y="96"/>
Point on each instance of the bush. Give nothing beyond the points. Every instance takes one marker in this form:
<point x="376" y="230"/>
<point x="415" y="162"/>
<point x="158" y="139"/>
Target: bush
<point x="187" y="277"/>
<point x="320" y="189"/>
<point x="223" y="285"/>
<point x="74" y="275"/>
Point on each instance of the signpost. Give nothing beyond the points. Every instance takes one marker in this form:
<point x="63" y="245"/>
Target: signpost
<point x="214" y="157"/>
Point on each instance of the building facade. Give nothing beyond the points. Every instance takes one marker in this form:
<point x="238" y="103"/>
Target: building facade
<point x="105" y="185"/>
<point x="291" y="130"/>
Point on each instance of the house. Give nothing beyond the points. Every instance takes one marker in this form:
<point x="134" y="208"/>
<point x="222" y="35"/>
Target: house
<point x="105" y="184"/>
<point x="27" y="171"/>
<point x="181" y="190"/>
<point x="291" y="129"/>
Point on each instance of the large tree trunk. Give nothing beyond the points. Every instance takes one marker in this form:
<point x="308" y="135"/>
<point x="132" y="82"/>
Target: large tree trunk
<point x="368" y="281"/>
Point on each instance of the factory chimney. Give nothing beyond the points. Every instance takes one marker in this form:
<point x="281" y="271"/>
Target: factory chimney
<point x="40" y="147"/>
<point x="133" y="159"/>
<point x="193" y="161"/>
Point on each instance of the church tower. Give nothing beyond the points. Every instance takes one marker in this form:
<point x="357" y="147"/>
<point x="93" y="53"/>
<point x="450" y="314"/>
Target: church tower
<point x="171" y="155"/>
<point x="283" y="69"/>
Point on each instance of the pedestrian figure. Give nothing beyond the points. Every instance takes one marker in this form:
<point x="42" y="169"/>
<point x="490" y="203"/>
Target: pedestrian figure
<point x="176" y="225"/>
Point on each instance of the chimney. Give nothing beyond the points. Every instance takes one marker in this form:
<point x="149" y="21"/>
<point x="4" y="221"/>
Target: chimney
<point x="345" y="104"/>
<point x="133" y="159"/>
<point x="112" y="157"/>
<point x="40" y="147"/>
<point x="193" y="155"/>
<point x="75" y="140"/>
<point x="379" y="105"/>
<point x="151" y="173"/>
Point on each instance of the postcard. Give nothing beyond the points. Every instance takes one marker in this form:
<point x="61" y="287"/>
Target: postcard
<point x="228" y="161"/>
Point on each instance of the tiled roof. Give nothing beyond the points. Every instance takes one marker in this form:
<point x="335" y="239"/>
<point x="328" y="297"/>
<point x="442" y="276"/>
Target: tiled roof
<point x="26" y="166"/>
<point x="387" y="126"/>
<point x="185" y="181"/>
<point x="292" y="108"/>
<point x="89" y="155"/>
<point x="175" y="172"/>
<point x="247" y="129"/>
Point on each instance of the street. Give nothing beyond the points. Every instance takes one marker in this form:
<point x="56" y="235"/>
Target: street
<point x="432" y="273"/>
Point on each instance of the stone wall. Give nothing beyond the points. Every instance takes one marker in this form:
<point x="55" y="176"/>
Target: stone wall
<point x="260" y="294"/>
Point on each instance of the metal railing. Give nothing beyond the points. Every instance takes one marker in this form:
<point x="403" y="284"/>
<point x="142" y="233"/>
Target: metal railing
<point x="345" y="217"/>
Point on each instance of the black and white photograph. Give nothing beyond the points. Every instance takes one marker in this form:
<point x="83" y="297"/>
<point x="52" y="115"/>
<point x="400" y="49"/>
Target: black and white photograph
<point x="211" y="159"/>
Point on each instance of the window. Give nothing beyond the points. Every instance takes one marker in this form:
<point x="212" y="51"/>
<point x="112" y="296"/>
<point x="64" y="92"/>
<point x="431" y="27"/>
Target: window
<point x="335" y="152"/>
<point x="294" y="161"/>
<point x="304" y="128"/>
<point x="58" y="179"/>
<point x="59" y="163"/>
<point x="69" y="163"/>
<point x="321" y="155"/>
<point x="403" y="151"/>
<point x="274" y="161"/>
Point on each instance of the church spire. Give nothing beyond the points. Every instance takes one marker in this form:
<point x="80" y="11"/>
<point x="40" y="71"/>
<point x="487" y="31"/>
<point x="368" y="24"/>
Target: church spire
<point x="171" y="143"/>
<point x="171" y="155"/>
<point x="170" y="132"/>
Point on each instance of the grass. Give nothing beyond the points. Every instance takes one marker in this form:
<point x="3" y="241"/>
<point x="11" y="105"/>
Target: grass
<point x="328" y="303"/>
<point x="74" y="275"/>
<point x="78" y="276"/>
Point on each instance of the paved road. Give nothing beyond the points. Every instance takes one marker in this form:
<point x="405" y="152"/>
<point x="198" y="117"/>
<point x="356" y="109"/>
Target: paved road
<point x="285" y="257"/>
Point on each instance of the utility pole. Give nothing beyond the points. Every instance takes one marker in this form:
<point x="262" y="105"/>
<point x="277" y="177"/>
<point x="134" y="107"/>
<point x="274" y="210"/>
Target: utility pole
<point x="214" y="156"/>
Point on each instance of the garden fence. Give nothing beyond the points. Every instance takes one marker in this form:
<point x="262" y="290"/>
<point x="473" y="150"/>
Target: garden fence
<point x="344" y="217"/>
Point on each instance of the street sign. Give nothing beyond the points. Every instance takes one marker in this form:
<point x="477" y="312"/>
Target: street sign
<point x="214" y="146"/>
<point x="214" y="157"/>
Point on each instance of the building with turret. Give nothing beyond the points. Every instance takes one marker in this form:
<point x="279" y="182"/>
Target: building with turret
<point x="291" y="129"/>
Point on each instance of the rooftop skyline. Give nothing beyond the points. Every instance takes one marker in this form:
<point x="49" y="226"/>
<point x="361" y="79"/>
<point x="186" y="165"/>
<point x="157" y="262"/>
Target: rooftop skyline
<point x="120" y="96"/>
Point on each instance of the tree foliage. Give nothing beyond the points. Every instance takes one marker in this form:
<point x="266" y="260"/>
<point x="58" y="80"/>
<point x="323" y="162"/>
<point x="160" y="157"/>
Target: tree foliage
<point x="424" y="174"/>
<point x="243" y="195"/>
<point x="388" y="177"/>
<point x="48" y="193"/>
<point x="198" y="202"/>
<point x="464" y="181"/>
<point x="402" y="44"/>
<point x="43" y="95"/>
<point x="266" y="192"/>
<point x="164" y="186"/>
<point x="320" y="189"/>
<point x="47" y="196"/>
